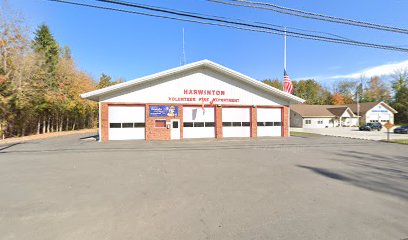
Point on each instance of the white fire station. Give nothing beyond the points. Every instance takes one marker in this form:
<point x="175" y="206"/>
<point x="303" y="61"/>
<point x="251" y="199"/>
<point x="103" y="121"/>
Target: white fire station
<point x="198" y="100"/>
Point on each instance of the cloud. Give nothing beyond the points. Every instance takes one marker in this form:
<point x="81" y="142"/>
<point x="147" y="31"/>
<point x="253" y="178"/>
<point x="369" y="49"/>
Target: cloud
<point x="382" y="70"/>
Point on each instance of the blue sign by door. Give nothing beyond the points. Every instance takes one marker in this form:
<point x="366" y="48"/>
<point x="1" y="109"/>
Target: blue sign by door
<point x="163" y="111"/>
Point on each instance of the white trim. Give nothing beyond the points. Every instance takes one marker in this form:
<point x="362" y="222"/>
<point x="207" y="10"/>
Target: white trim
<point x="94" y="95"/>
<point x="386" y="106"/>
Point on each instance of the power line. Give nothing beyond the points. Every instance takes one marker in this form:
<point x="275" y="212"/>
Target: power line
<point x="249" y="21"/>
<point x="214" y="18"/>
<point x="310" y="15"/>
<point x="241" y="26"/>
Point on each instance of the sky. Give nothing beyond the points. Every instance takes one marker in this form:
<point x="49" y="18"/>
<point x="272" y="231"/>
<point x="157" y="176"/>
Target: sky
<point x="130" y="46"/>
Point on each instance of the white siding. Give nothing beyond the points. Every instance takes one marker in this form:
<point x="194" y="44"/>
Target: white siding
<point x="379" y="114"/>
<point x="236" y="115"/>
<point x="269" y="115"/>
<point x="196" y="114"/>
<point x="161" y="91"/>
<point x="314" y="122"/>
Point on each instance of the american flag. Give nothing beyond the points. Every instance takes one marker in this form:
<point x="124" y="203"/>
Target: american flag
<point x="287" y="84"/>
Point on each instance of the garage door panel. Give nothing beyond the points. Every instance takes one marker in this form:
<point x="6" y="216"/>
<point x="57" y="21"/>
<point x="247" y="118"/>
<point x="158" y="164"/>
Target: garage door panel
<point x="126" y="133"/>
<point x="236" y="115"/>
<point x="198" y="123"/>
<point x="236" y="122"/>
<point x="198" y="132"/>
<point x="269" y="122"/>
<point x="126" y="114"/>
<point x="126" y="122"/>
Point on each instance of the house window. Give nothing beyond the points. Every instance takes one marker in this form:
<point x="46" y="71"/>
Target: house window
<point x="308" y="122"/>
<point x="320" y="122"/>
<point x="160" y="123"/>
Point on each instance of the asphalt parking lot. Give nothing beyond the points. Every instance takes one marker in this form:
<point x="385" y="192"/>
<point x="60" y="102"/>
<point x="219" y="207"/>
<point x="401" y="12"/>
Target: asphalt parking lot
<point x="313" y="187"/>
<point x="353" y="132"/>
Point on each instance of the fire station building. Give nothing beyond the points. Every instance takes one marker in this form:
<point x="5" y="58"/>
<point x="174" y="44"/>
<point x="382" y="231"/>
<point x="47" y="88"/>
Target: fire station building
<point x="197" y="100"/>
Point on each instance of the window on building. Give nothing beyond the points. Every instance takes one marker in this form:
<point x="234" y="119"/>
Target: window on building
<point x="159" y="123"/>
<point x="246" y="124"/>
<point x="236" y="124"/>
<point x="127" y="125"/>
<point x="188" y="124"/>
<point x="139" y="125"/>
<point x="199" y="124"/>
<point x="260" y="124"/>
<point x="268" y="124"/>
<point x="226" y="124"/>
<point x="209" y="124"/>
<point x="115" y="125"/>
<point x="308" y="121"/>
<point x="277" y="124"/>
<point x="320" y="122"/>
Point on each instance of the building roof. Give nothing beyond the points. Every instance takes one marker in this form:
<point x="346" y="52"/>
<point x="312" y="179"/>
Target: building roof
<point x="337" y="110"/>
<point x="306" y="110"/>
<point x="94" y="95"/>
<point x="365" y="107"/>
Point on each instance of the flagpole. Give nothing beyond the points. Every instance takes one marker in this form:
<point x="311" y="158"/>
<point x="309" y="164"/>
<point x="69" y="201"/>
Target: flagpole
<point x="284" y="52"/>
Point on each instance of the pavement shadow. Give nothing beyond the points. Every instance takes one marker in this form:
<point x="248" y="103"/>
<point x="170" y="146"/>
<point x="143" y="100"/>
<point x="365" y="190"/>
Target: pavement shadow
<point x="380" y="173"/>
<point x="96" y="137"/>
<point x="8" y="146"/>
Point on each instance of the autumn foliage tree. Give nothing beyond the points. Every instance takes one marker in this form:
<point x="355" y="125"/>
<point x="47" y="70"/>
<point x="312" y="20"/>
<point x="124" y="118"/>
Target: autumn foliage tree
<point x="39" y="83"/>
<point x="338" y="99"/>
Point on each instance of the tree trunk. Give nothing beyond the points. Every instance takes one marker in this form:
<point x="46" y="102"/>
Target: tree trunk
<point x="44" y="125"/>
<point x="61" y="124"/>
<point x="38" y="125"/>
<point x="73" y="125"/>
<point x="2" y="130"/>
<point x="48" y="124"/>
<point x="67" y="124"/>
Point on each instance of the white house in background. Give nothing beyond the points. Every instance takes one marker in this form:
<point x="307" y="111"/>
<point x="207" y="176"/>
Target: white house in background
<point x="322" y="116"/>
<point x="374" y="112"/>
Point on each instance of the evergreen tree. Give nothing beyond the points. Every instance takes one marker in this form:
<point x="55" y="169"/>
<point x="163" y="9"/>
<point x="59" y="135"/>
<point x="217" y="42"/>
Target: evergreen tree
<point x="400" y="103"/>
<point x="104" y="81"/>
<point x="45" y="44"/>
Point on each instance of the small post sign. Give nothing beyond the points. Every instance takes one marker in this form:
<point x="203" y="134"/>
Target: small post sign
<point x="388" y="126"/>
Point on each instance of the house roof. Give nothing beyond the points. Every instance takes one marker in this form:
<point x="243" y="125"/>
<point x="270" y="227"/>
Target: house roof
<point x="306" y="110"/>
<point x="365" y="107"/>
<point x="94" y="95"/>
<point x="337" y="110"/>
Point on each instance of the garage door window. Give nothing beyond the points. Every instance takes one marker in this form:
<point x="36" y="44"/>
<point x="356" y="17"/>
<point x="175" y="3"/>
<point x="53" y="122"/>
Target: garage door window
<point x="209" y="124"/>
<point x="236" y="124"/>
<point x="139" y="125"/>
<point x="127" y="125"/>
<point x="269" y="124"/>
<point x="188" y="124"/>
<point x="226" y="124"/>
<point x="115" y="125"/>
<point x="198" y="124"/>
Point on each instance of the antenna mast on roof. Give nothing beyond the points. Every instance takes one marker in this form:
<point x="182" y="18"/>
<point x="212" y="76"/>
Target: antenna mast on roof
<point x="184" y="51"/>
